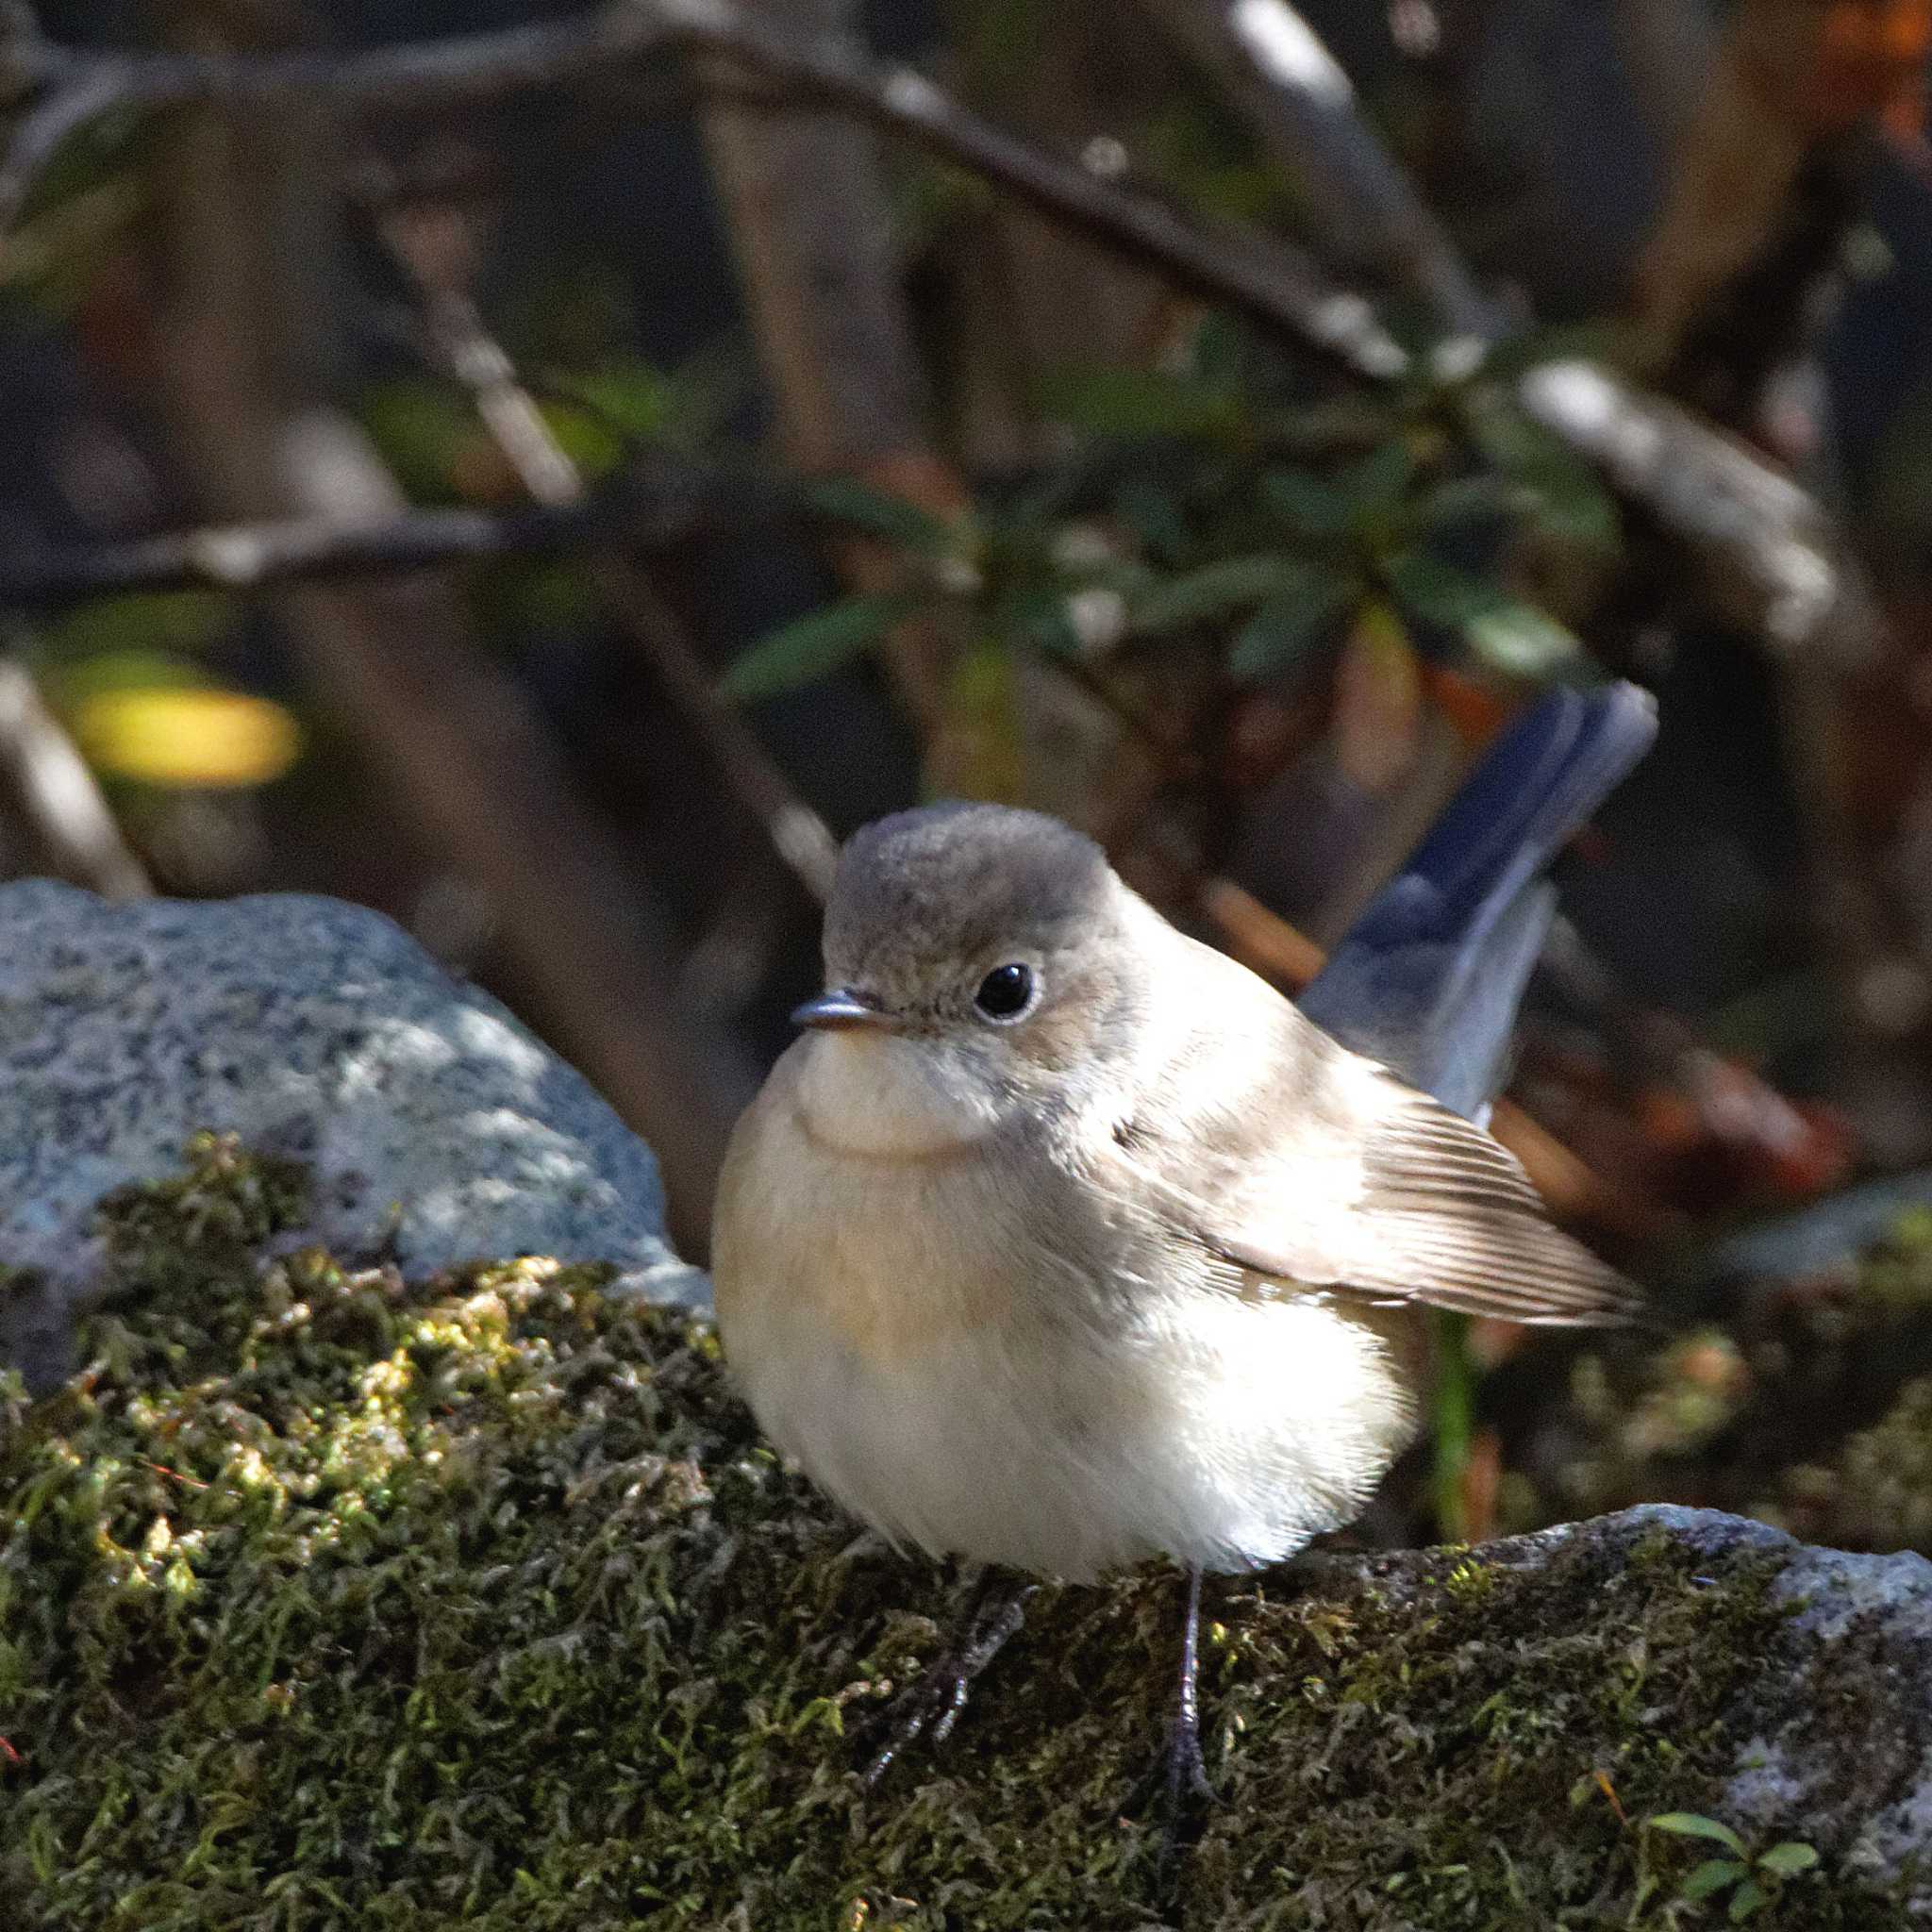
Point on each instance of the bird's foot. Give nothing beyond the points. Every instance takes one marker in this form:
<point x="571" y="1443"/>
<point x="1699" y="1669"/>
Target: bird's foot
<point x="930" y="1707"/>
<point x="1173" y="1794"/>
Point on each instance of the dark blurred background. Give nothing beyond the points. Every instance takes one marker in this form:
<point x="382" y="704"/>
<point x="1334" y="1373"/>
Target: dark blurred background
<point x="644" y="471"/>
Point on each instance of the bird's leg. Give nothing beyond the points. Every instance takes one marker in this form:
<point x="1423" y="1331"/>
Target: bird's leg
<point x="931" y="1707"/>
<point x="1187" y="1772"/>
<point x="1178" y="1782"/>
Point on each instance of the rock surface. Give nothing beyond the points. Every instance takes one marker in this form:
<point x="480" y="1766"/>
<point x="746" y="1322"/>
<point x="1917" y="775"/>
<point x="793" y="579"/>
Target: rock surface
<point x="432" y="1121"/>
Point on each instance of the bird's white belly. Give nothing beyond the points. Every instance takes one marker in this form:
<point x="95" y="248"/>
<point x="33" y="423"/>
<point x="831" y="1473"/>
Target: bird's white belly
<point x="1233" y="1457"/>
<point x="954" y="1407"/>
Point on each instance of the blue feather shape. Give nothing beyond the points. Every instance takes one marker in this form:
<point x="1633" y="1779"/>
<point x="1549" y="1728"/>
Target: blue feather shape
<point x="1429" y="978"/>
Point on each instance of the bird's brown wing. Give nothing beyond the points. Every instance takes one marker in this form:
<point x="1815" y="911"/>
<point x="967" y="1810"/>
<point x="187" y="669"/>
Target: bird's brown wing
<point x="1292" y="1157"/>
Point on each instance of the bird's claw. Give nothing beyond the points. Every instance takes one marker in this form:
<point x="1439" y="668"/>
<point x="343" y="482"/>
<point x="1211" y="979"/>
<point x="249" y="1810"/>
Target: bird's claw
<point x="930" y="1707"/>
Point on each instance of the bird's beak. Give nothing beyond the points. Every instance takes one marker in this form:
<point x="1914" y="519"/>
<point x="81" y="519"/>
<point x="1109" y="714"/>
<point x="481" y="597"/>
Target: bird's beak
<point x="838" y="1011"/>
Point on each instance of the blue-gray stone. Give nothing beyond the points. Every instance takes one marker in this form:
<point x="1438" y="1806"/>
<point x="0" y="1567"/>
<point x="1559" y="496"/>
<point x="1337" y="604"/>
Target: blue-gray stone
<point x="433" y="1122"/>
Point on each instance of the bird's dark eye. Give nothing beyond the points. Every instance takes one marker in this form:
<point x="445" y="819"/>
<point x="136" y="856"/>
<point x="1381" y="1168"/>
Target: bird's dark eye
<point x="1006" y="992"/>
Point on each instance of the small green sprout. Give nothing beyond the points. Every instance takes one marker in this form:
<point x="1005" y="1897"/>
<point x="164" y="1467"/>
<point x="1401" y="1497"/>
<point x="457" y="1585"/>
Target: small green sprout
<point x="1752" y="1880"/>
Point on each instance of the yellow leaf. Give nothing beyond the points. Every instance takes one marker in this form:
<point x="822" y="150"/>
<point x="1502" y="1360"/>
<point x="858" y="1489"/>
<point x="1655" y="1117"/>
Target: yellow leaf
<point x="177" y="735"/>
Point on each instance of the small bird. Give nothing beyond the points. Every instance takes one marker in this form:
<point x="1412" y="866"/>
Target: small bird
<point x="1060" y="1240"/>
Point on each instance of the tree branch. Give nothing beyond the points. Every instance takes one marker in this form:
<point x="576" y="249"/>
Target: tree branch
<point x="253" y="557"/>
<point x="471" y="356"/>
<point x="1777" y="560"/>
<point x="1269" y="64"/>
<point x="1276" y="286"/>
<point x="57" y="797"/>
<point x="1806" y="589"/>
<point x="1771" y="551"/>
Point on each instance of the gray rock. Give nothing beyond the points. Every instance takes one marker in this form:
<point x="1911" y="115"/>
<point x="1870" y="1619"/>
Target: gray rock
<point x="1467" y="1714"/>
<point x="1835" y="1734"/>
<point x="1871" y="1616"/>
<point x="431" y="1120"/>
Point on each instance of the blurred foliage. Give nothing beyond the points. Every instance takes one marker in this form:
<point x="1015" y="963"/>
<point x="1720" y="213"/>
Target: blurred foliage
<point x="1213" y="501"/>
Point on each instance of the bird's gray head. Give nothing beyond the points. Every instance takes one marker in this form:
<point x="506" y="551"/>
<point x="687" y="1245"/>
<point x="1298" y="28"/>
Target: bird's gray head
<point x="995" y="931"/>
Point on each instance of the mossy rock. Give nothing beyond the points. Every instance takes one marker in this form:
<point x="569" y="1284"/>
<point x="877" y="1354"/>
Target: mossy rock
<point x="329" y="1599"/>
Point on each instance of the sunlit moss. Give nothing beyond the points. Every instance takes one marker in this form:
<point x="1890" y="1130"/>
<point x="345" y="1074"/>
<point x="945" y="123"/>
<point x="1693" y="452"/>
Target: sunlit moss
<point x="332" y="1600"/>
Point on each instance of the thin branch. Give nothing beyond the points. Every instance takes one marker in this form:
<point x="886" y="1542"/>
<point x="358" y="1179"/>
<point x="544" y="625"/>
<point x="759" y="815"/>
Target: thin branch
<point x="253" y="557"/>
<point x="658" y="506"/>
<point x="1776" y="558"/>
<point x="473" y="358"/>
<point x="1784" y="566"/>
<point x="57" y="794"/>
<point x="1268" y="60"/>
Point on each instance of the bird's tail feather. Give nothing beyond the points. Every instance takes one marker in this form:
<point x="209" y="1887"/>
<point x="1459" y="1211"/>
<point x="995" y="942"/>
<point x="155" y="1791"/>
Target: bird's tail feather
<point x="1429" y="978"/>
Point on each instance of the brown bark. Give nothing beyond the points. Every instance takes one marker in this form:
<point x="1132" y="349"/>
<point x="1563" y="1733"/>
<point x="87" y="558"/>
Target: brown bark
<point x="811" y="228"/>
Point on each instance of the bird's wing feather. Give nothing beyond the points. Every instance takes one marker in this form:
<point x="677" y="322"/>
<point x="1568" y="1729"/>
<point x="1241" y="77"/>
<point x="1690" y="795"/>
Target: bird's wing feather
<point x="1309" y="1164"/>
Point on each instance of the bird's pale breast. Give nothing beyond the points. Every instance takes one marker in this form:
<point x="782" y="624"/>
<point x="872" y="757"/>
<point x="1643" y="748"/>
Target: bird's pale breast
<point x="910" y="1329"/>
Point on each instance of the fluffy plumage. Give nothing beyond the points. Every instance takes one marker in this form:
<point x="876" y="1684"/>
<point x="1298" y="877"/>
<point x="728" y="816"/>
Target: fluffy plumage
<point x="1128" y="1277"/>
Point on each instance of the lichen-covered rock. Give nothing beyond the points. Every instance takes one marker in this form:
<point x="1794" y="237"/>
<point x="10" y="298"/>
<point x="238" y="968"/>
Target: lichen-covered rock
<point x="432" y="1121"/>
<point x="332" y="1598"/>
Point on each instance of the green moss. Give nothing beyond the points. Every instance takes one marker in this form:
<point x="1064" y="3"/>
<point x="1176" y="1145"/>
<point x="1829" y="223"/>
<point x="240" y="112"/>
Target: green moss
<point x="332" y="1600"/>
<point x="1879" y="1485"/>
<point x="1806" y="1407"/>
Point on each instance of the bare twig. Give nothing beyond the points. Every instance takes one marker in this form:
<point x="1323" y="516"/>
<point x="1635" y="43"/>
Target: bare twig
<point x="1268" y="60"/>
<point x="254" y="557"/>
<point x="1783" y="566"/>
<point x="1277" y="286"/>
<point x="57" y="794"/>
<point x="473" y="358"/>
<point x="1776" y="558"/>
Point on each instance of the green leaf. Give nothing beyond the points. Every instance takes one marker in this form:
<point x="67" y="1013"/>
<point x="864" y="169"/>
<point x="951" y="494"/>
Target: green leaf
<point x="1524" y="641"/>
<point x="586" y="436"/>
<point x="1306" y="503"/>
<point x="815" y="644"/>
<point x="1293" y="622"/>
<point x="1375" y="484"/>
<point x="1748" y="1900"/>
<point x="1560" y="493"/>
<point x="1787" y="1859"/>
<point x="1215" y="589"/>
<point x="1153" y="512"/>
<point x="1694" y="1824"/>
<point x="1465" y="500"/>
<point x="1714" y="1874"/>
<point x="1560" y="341"/>
<point x="634" y="398"/>
<point x="1140" y="402"/>
<point x="846" y="500"/>
<point x="1439" y="593"/>
<point x="1036" y="614"/>
<point x="165" y="621"/>
<point x="421" y="430"/>
<point x="1511" y="636"/>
